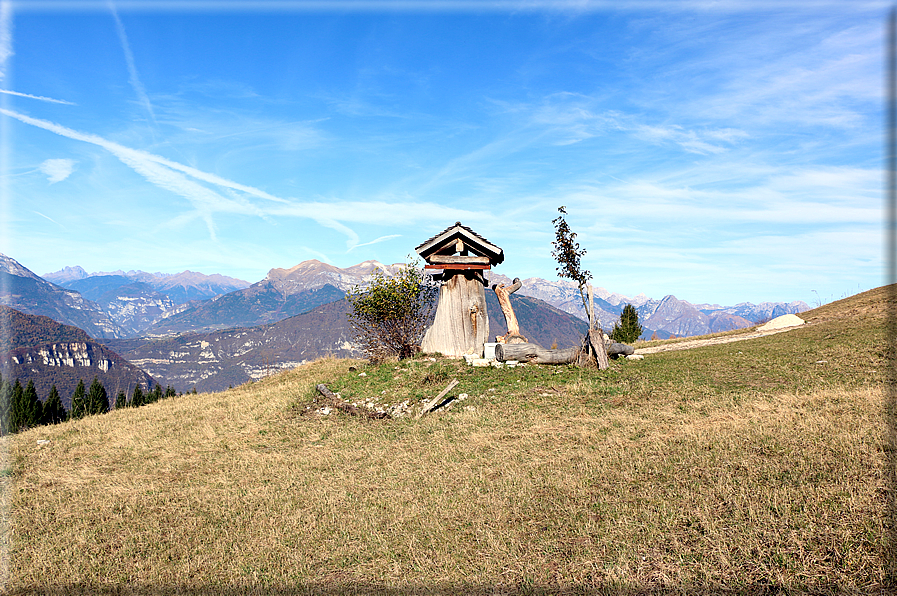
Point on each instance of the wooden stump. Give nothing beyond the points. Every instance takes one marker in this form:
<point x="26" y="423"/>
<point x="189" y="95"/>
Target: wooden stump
<point x="461" y="325"/>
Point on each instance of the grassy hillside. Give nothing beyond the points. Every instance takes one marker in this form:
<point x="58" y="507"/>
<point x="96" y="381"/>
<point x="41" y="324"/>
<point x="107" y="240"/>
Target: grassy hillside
<point x="756" y="467"/>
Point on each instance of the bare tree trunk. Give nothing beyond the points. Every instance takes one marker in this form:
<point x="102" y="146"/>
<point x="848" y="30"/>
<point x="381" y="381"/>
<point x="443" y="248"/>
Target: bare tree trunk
<point x="504" y="300"/>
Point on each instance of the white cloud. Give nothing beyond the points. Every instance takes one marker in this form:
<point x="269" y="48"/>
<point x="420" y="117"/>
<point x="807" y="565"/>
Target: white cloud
<point x="57" y="170"/>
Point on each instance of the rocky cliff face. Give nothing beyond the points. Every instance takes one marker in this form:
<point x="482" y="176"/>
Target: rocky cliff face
<point x="136" y="306"/>
<point x="49" y="353"/>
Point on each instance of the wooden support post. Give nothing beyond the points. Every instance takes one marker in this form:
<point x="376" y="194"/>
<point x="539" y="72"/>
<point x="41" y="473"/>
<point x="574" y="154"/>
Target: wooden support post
<point x="596" y="338"/>
<point x="435" y="402"/>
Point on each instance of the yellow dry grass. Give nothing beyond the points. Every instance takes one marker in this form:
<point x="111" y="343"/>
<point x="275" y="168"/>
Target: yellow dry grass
<point x="235" y="492"/>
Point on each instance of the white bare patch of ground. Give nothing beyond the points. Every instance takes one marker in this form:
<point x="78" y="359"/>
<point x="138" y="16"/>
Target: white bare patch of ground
<point x="777" y="325"/>
<point x="782" y="322"/>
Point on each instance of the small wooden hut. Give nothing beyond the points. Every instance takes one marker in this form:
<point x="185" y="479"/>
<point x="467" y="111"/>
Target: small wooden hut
<point x="461" y="325"/>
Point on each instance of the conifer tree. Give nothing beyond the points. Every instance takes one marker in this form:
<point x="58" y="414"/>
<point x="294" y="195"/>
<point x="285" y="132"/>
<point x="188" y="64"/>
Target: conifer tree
<point x="137" y="398"/>
<point x="97" y="398"/>
<point x="169" y="391"/>
<point x="34" y="408"/>
<point x="5" y="398"/>
<point x="79" y="401"/>
<point x="54" y="411"/>
<point x="628" y="330"/>
<point x="121" y="400"/>
<point x="18" y="412"/>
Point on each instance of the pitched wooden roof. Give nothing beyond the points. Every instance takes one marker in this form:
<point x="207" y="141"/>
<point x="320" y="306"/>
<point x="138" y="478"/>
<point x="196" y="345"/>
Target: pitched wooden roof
<point x="446" y="241"/>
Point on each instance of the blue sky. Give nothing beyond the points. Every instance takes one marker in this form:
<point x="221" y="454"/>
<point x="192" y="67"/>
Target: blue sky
<point x="722" y="152"/>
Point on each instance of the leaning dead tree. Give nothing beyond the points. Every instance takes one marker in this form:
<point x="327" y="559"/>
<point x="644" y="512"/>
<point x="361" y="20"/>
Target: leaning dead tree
<point x="461" y="325"/>
<point x="503" y="294"/>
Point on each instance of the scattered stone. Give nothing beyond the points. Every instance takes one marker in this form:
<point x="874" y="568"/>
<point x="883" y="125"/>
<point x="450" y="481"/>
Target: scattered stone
<point x="635" y="357"/>
<point x="43" y="441"/>
<point x="364" y="374"/>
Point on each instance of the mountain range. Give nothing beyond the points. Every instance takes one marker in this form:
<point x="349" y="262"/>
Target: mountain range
<point x="212" y="331"/>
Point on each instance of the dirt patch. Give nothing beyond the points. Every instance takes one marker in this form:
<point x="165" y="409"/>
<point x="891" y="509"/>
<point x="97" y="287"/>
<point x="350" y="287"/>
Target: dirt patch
<point x="711" y="341"/>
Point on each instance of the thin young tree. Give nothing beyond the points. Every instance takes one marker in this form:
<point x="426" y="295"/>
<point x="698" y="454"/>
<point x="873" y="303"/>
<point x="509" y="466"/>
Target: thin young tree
<point x="568" y="254"/>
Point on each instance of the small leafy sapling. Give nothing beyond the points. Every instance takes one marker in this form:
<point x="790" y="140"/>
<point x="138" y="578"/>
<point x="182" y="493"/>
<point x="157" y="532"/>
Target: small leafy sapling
<point x="568" y="254"/>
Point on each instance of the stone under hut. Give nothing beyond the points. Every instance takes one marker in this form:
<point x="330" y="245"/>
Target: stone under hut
<point x="461" y="325"/>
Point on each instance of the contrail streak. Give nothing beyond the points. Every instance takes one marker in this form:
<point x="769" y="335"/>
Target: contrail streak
<point x="134" y="79"/>
<point x="5" y="35"/>
<point x="28" y="95"/>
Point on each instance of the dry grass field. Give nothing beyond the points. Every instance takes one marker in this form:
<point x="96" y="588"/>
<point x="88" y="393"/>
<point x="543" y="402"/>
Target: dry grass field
<point x="754" y="467"/>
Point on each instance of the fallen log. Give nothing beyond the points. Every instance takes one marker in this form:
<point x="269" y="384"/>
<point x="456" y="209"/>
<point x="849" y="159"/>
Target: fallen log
<point x="618" y="349"/>
<point x="534" y="353"/>
<point x="344" y="406"/>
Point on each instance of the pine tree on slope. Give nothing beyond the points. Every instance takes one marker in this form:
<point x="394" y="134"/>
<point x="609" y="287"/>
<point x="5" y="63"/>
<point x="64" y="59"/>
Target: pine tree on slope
<point x="33" y="407"/>
<point x="5" y="397"/>
<point x="97" y="399"/>
<point x="79" y="401"/>
<point x="629" y="329"/>
<point x="137" y="396"/>
<point x="54" y="411"/>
